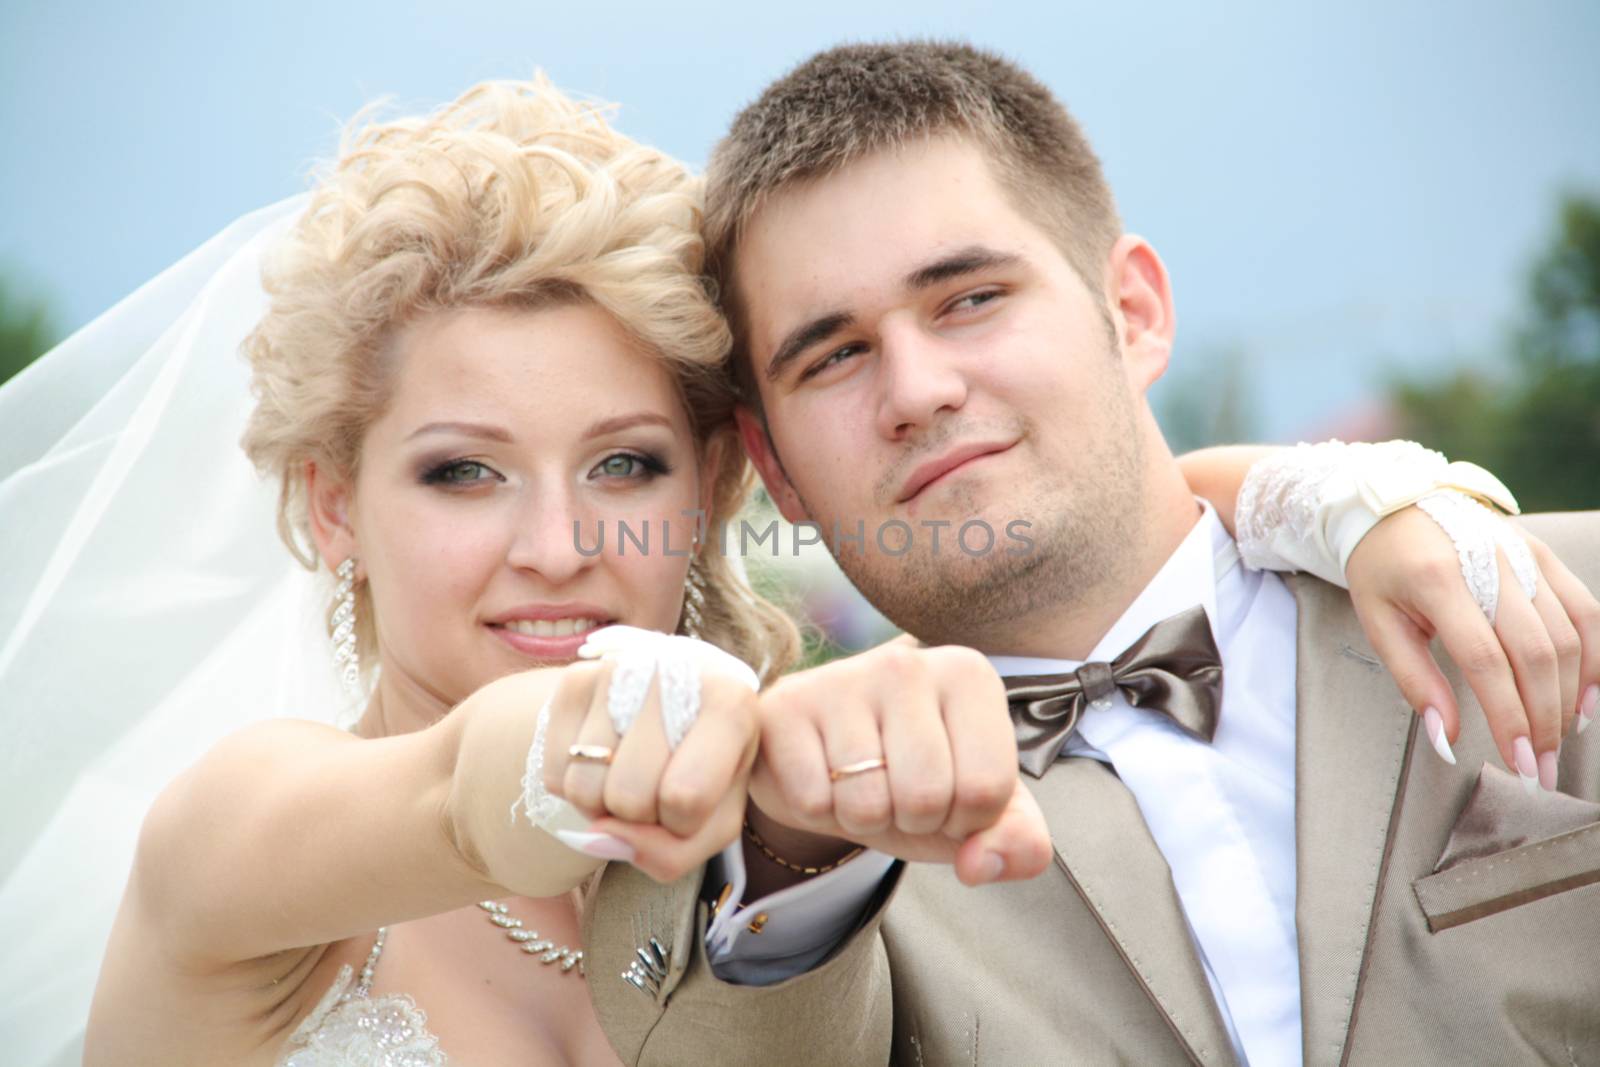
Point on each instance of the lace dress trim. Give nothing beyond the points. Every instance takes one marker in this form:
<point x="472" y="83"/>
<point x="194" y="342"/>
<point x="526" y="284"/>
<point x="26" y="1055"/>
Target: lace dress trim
<point x="351" y="1028"/>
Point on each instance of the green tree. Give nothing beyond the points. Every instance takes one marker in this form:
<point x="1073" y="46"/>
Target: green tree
<point x="26" y="332"/>
<point x="1208" y="399"/>
<point x="1535" y="419"/>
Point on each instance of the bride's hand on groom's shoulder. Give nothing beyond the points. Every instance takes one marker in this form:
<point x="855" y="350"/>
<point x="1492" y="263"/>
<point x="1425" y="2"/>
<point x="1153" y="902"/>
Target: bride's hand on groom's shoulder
<point x="1531" y="668"/>
<point x="907" y="750"/>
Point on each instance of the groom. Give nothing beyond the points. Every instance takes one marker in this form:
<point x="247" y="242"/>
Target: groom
<point x="939" y="320"/>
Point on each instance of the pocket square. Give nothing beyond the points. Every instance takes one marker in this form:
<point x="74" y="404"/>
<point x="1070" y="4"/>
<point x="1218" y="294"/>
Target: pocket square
<point x="1501" y="815"/>
<point x="1508" y="849"/>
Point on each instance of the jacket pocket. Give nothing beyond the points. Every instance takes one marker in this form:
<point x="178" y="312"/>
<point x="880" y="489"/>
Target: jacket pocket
<point x="1487" y="885"/>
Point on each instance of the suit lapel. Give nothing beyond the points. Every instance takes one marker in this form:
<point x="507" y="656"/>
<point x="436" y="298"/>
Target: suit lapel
<point x="1107" y="853"/>
<point x="1353" y="742"/>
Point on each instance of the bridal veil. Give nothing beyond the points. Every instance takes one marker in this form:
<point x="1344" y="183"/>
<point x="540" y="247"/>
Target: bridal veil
<point x="147" y="608"/>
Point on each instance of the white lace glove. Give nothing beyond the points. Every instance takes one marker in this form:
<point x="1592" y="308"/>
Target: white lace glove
<point x="679" y="660"/>
<point x="1307" y="508"/>
<point x="640" y="655"/>
<point x="1476" y="532"/>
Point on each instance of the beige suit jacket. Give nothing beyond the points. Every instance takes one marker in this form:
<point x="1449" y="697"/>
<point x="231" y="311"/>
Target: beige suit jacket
<point x="1444" y="916"/>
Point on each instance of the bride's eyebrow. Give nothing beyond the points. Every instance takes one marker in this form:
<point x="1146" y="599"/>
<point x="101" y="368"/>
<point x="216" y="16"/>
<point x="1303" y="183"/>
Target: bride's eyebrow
<point x="466" y="429"/>
<point x="618" y="423"/>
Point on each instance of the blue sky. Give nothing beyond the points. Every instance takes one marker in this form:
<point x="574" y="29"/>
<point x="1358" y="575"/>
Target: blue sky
<point x="1338" y="191"/>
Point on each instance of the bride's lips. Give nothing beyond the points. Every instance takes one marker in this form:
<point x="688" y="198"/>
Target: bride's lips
<point x="549" y="631"/>
<point x="934" y="469"/>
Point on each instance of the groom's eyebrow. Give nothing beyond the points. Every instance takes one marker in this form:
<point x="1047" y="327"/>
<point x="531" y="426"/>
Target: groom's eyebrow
<point x="969" y="260"/>
<point x="803" y="337"/>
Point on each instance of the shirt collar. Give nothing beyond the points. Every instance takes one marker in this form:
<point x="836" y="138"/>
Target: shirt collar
<point x="1187" y="578"/>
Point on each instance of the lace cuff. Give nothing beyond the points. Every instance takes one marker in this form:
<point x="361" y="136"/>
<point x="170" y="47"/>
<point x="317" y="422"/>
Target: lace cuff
<point x="1307" y="508"/>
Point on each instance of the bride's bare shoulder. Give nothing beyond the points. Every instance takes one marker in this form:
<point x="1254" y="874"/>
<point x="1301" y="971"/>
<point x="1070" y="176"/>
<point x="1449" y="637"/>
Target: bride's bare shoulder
<point x="226" y="777"/>
<point x="193" y="938"/>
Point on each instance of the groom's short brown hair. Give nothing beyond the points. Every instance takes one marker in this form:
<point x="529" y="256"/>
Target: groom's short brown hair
<point x="855" y="100"/>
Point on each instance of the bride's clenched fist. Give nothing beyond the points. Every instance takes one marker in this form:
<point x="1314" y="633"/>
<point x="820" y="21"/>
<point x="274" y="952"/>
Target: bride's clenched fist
<point x="642" y="754"/>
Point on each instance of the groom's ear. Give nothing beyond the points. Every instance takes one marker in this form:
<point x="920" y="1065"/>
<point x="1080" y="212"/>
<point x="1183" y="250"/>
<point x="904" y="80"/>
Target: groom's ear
<point x="328" y="509"/>
<point x="1141" y="298"/>
<point x="758" y="445"/>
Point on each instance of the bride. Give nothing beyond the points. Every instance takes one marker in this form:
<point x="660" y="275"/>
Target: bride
<point x="484" y="332"/>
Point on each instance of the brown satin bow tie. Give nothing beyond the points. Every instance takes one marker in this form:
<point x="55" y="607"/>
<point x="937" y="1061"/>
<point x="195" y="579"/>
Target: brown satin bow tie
<point x="1174" y="669"/>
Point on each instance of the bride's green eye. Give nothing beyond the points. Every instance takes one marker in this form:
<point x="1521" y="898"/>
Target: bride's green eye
<point x="458" y="472"/>
<point x="630" y="466"/>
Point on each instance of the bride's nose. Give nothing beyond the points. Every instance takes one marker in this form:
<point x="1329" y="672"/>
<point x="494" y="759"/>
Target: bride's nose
<point x="549" y="528"/>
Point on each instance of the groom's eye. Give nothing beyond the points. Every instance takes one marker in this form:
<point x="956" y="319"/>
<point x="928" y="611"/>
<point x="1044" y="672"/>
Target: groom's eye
<point x="971" y="301"/>
<point x="831" y="359"/>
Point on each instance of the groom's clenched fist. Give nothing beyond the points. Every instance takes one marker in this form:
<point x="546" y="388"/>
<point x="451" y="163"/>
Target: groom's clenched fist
<point x="903" y="749"/>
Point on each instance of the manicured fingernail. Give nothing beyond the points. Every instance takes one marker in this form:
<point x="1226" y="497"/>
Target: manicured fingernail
<point x="600" y="846"/>
<point x="991" y="868"/>
<point x="1527" y="766"/>
<point x="1591" y="697"/>
<point x="1547" y="771"/>
<point x="1434" y="722"/>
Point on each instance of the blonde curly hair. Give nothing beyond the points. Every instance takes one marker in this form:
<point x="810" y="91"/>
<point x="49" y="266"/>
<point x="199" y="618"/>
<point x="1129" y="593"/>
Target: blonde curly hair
<point x="514" y="195"/>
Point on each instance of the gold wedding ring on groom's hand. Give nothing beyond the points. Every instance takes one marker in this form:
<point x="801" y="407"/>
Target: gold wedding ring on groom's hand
<point x="591" y="753"/>
<point x="860" y="767"/>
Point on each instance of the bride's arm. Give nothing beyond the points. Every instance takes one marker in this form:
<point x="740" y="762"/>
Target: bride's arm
<point x="1530" y="664"/>
<point x="1218" y="473"/>
<point x="291" y="834"/>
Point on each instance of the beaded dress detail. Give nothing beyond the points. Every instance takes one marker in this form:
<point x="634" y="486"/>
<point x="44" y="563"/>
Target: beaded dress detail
<point x="351" y="1028"/>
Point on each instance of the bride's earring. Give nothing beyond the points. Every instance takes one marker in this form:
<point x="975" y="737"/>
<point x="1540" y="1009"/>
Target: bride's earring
<point x="345" y="659"/>
<point x="694" y="599"/>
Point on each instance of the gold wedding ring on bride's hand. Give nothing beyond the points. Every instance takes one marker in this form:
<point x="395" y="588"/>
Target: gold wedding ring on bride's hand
<point x="591" y="753"/>
<point x="860" y="767"/>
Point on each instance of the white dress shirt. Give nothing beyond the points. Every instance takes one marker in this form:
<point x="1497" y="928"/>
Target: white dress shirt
<point x="1222" y="813"/>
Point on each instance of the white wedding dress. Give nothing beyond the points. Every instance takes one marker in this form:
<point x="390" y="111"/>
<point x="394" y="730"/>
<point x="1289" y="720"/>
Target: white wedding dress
<point x="351" y="1028"/>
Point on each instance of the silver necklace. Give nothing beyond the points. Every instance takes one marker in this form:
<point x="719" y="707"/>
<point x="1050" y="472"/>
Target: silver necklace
<point x="530" y="941"/>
